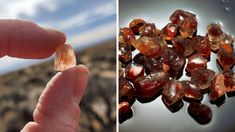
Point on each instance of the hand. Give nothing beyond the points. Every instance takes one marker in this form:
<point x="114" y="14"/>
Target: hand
<point x="57" y="109"/>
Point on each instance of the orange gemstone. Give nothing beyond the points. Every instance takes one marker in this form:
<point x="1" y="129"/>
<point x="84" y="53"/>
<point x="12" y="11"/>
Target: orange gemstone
<point x="65" y="57"/>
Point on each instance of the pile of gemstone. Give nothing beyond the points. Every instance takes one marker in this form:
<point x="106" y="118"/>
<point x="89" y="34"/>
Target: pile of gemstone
<point x="160" y="61"/>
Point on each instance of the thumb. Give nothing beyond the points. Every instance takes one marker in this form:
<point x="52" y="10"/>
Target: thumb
<point x="57" y="109"/>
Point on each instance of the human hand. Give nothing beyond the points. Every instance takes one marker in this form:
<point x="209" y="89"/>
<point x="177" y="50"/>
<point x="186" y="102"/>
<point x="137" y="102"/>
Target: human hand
<point x="57" y="109"/>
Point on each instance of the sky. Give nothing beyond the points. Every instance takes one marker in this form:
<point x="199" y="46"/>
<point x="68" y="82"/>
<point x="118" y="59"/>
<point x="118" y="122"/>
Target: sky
<point x="85" y="22"/>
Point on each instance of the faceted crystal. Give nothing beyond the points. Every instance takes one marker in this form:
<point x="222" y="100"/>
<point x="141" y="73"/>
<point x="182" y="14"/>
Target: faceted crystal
<point x="229" y="80"/>
<point x="126" y="36"/>
<point x="64" y="57"/>
<point x="150" y="85"/>
<point x="125" y="54"/>
<point x="133" y="71"/>
<point x="169" y="31"/>
<point x="217" y="87"/>
<point x="126" y="91"/>
<point x="125" y="111"/>
<point x="188" y="28"/>
<point x="136" y="24"/>
<point x="183" y="46"/>
<point x="180" y="15"/>
<point x="192" y="91"/>
<point x="202" y="77"/>
<point x="226" y="56"/>
<point x="149" y="46"/>
<point x="195" y="61"/>
<point x="202" y="46"/>
<point x="200" y="112"/>
<point x="173" y="91"/>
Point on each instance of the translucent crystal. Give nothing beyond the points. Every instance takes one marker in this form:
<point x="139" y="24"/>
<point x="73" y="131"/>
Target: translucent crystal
<point x="126" y="36"/>
<point x="192" y="91"/>
<point x="217" y="87"/>
<point x="169" y="31"/>
<point x="149" y="46"/>
<point x="133" y="71"/>
<point x="183" y="46"/>
<point x="64" y="57"/>
<point x="125" y="54"/>
<point x="202" y="77"/>
<point x="188" y="28"/>
<point x="214" y="32"/>
<point x="136" y="24"/>
<point x="126" y="91"/>
<point x="125" y="111"/>
<point x="173" y="91"/>
<point x="120" y="70"/>
<point x="150" y="85"/>
<point x="195" y="61"/>
<point x="152" y="65"/>
<point x="202" y="46"/>
<point x="179" y="15"/>
<point x="149" y="30"/>
<point x="200" y="112"/>
<point x="229" y="80"/>
<point x="174" y="60"/>
<point x="226" y="56"/>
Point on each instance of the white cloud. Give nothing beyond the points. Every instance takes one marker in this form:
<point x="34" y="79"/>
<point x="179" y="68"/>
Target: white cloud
<point x="94" y="36"/>
<point x="88" y="16"/>
<point x="13" y="8"/>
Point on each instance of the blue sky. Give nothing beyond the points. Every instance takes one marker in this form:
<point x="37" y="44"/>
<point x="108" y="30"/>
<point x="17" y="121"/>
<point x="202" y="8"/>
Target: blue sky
<point x="85" y="22"/>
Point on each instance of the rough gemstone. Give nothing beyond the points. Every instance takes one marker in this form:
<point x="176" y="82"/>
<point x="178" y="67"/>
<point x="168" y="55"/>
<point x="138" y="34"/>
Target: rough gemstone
<point x="229" y="80"/>
<point x="228" y="39"/>
<point x="149" y="30"/>
<point x="215" y="35"/>
<point x="152" y="65"/>
<point x="150" y="85"/>
<point x="125" y="55"/>
<point x="126" y="35"/>
<point x="169" y="31"/>
<point x="217" y="87"/>
<point x="120" y="70"/>
<point x="175" y="61"/>
<point x="139" y="58"/>
<point x="202" y="77"/>
<point x="183" y="46"/>
<point x="195" y="61"/>
<point x="214" y="32"/>
<point x="149" y="46"/>
<point x="200" y="112"/>
<point x="173" y="91"/>
<point x="192" y="91"/>
<point x="64" y="57"/>
<point x="226" y="56"/>
<point x="180" y="15"/>
<point x="126" y="91"/>
<point x="188" y="28"/>
<point x="136" y="24"/>
<point x="125" y="111"/>
<point x="134" y="71"/>
<point x="202" y="46"/>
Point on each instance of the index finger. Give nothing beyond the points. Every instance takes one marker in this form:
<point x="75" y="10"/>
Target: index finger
<point x="25" y="39"/>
